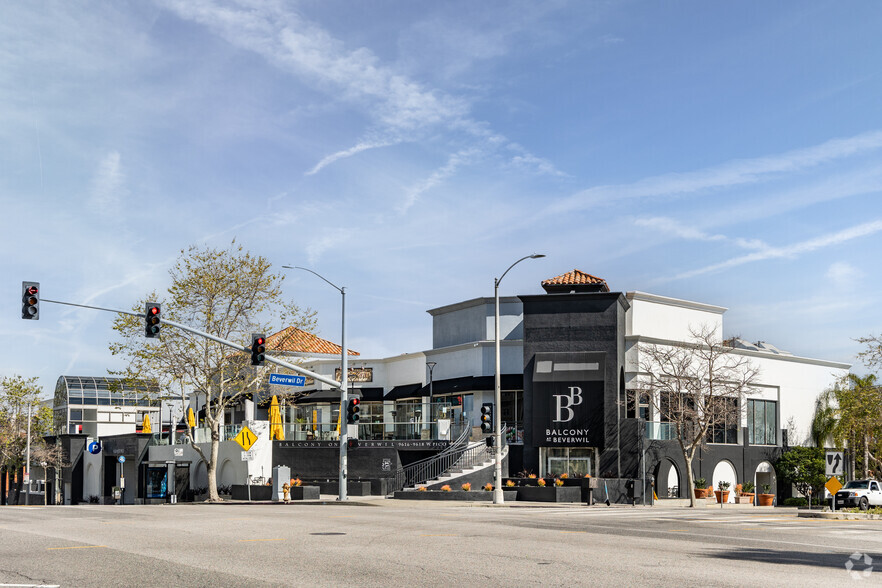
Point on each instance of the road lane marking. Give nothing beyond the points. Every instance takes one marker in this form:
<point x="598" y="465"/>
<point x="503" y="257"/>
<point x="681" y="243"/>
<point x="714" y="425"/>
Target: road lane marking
<point x="573" y="531"/>
<point x="439" y="535"/>
<point x="76" y="547"/>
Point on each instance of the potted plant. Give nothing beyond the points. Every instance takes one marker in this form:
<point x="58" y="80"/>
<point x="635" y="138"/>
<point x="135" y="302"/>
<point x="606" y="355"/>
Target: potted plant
<point x="745" y="496"/>
<point x="466" y="487"/>
<point x="700" y="491"/>
<point x="766" y="498"/>
<point x="723" y="493"/>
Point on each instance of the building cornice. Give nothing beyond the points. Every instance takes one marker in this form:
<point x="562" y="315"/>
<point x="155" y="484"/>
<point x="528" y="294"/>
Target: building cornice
<point x="471" y="303"/>
<point x="746" y="352"/>
<point x="655" y="298"/>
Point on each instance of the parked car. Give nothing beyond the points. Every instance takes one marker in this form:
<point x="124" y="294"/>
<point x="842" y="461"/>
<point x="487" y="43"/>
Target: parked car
<point x="860" y="493"/>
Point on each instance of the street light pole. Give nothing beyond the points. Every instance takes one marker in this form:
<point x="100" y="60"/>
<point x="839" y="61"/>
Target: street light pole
<point x="431" y="365"/>
<point x="344" y="377"/>
<point x="498" y="496"/>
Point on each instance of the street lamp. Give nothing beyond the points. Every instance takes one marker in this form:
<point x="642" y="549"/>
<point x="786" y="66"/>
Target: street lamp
<point x="344" y="371"/>
<point x="431" y="365"/>
<point x="497" y="433"/>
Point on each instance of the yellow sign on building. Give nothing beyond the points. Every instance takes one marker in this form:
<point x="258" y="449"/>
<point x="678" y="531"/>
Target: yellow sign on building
<point x="246" y="438"/>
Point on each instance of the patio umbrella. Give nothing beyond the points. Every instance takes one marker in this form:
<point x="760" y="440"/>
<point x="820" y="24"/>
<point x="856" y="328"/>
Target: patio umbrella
<point x="145" y="426"/>
<point x="191" y="418"/>
<point x="275" y="417"/>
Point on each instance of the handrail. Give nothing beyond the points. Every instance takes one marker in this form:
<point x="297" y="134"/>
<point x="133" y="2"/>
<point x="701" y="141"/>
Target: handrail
<point x="457" y="455"/>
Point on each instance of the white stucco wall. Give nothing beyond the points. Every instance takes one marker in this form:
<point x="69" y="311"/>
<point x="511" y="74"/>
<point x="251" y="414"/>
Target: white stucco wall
<point x="660" y="317"/>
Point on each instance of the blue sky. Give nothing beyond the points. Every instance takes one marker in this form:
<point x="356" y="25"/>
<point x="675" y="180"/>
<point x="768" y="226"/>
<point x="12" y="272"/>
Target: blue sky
<point x="722" y="152"/>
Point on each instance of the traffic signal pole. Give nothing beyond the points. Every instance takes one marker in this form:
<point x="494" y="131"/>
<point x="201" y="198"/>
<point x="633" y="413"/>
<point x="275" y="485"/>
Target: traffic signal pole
<point x="236" y="346"/>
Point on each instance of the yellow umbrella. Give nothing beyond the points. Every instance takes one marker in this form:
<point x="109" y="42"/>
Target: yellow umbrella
<point x="275" y="417"/>
<point x="191" y="418"/>
<point x="145" y="426"/>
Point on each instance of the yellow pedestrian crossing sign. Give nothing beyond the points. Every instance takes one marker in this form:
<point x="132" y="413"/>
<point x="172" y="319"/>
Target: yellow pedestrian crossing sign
<point x="246" y="438"/>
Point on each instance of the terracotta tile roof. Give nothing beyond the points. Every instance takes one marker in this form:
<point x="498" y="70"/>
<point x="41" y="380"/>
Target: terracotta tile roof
<point x="575" y="277"/>
<point x="294" y="340"/>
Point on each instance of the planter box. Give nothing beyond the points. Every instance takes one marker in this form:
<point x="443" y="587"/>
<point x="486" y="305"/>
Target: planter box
<point x="475" y="496"/>
<point x="550" y="494"/>
<point x="353" y="488"/>
<point x="745" y="499"/>
<point x="304" y="493"/>
<point x="766" y="499"/>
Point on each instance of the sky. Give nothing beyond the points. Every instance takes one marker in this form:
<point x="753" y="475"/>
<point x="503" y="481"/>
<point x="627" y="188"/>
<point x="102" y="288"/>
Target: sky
<point x="410" y="151"/>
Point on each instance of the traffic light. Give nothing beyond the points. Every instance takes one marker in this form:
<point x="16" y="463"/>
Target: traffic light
<point x="489" y="441"/>
<point x="352" y="443"/>
<point x="30" y="300"/>
<point x="258" y="349"/>
<point x="152" y="313"/>
<point x="352" y="411"/>
<point x="487" y="417"/>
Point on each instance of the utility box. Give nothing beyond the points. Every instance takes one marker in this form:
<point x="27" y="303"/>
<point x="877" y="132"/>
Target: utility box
<point x="281" y="476"/>
<point x="634" y="489"/>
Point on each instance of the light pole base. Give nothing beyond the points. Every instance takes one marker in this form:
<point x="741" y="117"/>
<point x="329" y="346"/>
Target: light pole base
<point x="498" y="496"/>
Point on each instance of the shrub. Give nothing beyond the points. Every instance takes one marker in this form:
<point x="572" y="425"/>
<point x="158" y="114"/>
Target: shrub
<point x="445" y="488"/>
<point x="422" y="489"/>
<point x="795" y="501"/>
<point x="541" y="481"/>
<point x="466" y="487"/>
<point x="564" y="476"/>
<point x="700" y="482"/>
<point x="723" y="485"/>
<point x="488" y="487"/>
<point x="747" y="487"/>
<point x="296" y="482"/>
<point x="558" y="482"/>
<point x="509" y="483"/>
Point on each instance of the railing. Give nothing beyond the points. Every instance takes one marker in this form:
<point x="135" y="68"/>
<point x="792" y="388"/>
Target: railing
<point x="657" y="431"/>
<point x="200" y="435"/>
<point x="459" y="455"/>
<point x="389" y="430"/>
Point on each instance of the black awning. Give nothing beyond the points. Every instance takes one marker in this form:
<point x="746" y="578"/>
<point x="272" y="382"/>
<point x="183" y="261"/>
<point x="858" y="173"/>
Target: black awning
<point x="406" y="391"/>
<point x="370" y="394"/>
<point x="468" y="383"/>
<point x="319" y="396"/>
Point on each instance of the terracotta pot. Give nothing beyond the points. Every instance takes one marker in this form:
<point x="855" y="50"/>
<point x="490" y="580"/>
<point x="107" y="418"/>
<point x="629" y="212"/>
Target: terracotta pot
<point x="722" y="495"/>
<point x="700" y="492"/>
<point x="766" y="499"/>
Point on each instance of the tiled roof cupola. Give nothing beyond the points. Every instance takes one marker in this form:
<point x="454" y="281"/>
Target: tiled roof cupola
<point x="575" y="281"/>
<point x="294" y="340"/>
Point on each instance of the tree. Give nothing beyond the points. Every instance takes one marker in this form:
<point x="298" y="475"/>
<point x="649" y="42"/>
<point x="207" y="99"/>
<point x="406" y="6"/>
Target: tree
<point x="860" y="419"/>
<point x="825" y="420"/>
<point x="17" y="394"/>
<point x="697" y="387"/>
<point x="804" y="468"/>
<point x="226" y="293"/>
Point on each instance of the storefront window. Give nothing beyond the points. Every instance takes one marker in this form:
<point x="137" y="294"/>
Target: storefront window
<point x="156" y="482"/>
<point x="762" y="418"/>
<point x="573" y="461"/>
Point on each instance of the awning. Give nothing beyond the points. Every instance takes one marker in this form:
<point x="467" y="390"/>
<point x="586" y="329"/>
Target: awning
<point x="406" y="391"/>
<point x="469" y="383"/>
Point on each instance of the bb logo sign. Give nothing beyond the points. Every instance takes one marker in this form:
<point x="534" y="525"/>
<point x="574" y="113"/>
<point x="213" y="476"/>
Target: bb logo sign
<point x="565" y="404"/>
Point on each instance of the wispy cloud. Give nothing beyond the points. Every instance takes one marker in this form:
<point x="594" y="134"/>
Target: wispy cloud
<point x="673" y="227"/>
<point x="364" y="146"/>
<point x="727" y="175"/>
<point x="791" y="251"/>
<point x="460" y="158"/>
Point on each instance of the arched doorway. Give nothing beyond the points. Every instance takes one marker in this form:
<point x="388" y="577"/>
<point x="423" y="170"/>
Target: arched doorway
<point x="200" y="477"/>
<point x="725" y="472"/>
<point x="668" y="482"/>
<point x="227" y="475"/>
<point x="765" y="475"/>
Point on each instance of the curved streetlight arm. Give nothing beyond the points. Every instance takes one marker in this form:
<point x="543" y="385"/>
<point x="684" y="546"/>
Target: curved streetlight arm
<point x="306" y="269"/>
<point x="533" y="256"/>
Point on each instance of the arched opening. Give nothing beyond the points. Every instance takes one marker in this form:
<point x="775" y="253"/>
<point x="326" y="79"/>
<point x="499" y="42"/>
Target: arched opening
<point x="227" y="475"/>
<point x="725" y="472"/>
<point x="668" y="483"/>
<point x="200" y="477"/>
<point x="765" y="476"/>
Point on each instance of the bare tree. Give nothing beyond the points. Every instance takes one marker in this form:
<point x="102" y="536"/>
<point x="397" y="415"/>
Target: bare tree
<point x="226" y="293"/>
<point x="697" y="387"/>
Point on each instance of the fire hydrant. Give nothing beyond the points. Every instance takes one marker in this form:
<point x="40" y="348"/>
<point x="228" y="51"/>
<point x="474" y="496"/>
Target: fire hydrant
<point x="286" y="491"/>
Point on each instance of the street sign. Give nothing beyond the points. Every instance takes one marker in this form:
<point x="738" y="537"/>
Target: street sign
<point x="246" y="438"/>
<point x="833" y="486"/>
<point x="94" y="448"/>
<point x="122" y="459"/>
<point x="179" y="452"/>
<point x="287" y="380"/>
<point x="834" y="463"/>
<point x="247" y="456"/>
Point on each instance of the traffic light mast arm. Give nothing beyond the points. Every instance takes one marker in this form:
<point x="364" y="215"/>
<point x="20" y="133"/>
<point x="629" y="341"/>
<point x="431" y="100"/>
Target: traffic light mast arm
<point x="318" y="377"/>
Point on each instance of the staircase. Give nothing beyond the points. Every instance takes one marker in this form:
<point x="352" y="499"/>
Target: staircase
<point x="462" y="459"/>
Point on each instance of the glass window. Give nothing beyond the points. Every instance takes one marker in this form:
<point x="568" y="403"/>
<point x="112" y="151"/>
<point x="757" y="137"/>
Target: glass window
<point x="726" y="419"/>
<point x="762" y="422"/>
<point x="574" y="461"/>
<point x="76" y="415"/>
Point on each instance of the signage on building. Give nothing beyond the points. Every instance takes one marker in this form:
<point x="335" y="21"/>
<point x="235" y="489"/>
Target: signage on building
<point x="362" y="444"/>
<point x="94" y="447"/>
<point x="248" y="456"/>
<point x="364" y="374"/>
<point x="568" y="391"/>
<point x="179" y="452"/>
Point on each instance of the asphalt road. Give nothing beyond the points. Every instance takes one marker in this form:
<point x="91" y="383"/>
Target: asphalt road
<point x="404" y="543"/>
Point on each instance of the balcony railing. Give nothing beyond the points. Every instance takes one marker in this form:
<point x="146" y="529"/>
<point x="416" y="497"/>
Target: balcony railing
<point x="657" y="431"/>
